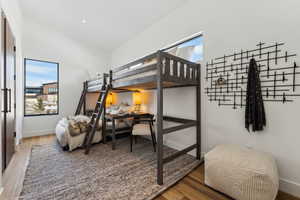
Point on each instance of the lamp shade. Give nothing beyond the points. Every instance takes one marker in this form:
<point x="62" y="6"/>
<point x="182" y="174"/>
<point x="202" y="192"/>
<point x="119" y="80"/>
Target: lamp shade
<point x="137" y="98"/>
<point x="109" y="99"/>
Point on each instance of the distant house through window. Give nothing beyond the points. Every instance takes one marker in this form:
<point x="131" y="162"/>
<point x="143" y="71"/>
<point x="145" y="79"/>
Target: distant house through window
<point x="41" y="88"/>
<point x="190" y="49"/>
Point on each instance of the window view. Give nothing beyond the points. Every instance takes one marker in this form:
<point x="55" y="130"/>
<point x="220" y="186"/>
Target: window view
<point x="191" y="50"/>
<point x="41" y="87"/>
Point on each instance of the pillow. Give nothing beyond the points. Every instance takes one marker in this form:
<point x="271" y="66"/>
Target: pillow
<point x="81" y="118"/>
<point x="78" y="125"/>
<point x="74" y="128"/>
<point x="122" y="108"/>
<point x="112" y="109"/>
<point x="83" y="126"/>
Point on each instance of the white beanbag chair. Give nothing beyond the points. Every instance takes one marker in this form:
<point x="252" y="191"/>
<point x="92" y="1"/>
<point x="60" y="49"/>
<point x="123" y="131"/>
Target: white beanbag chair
<point x="73" y="142"/>
<point x="241" y="173"/>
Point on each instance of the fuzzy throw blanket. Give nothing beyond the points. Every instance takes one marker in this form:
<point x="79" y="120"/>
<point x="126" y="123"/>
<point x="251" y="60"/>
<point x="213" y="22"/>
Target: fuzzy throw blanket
<point x="255" y="110"/>
<point x="78" y="125"/>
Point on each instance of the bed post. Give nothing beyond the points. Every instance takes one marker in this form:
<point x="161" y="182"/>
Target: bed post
<point x="85" y="87"/>
<point x="104" y="124"/>
<point x="104" y="108"/>
<point x="159" y="114"/>
<point x="198" y="112"/>
<point x="110" y="77"/>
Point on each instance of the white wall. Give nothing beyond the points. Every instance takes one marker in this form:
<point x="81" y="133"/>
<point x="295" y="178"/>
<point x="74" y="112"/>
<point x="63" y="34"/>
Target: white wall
<point x="13" y="14"/>
<point x="76" y="64"/>
<point x="231" y="25"/>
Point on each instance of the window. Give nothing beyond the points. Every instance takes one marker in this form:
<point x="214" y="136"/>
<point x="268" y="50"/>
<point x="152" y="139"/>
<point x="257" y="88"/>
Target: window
<point x="190" y="49"/>
<point x="41" y="88"/>
<point x="52" y="90"/>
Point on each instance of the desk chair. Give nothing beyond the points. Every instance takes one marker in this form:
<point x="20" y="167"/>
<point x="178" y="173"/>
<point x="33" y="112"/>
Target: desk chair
<point x="143" y="127"/>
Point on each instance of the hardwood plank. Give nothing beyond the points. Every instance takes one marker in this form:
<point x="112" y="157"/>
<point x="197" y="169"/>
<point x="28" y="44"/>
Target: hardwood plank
<point x="204" y="189"/>
<point x="160" y="198"/>
<point x="198" y="174"/>
<point x="285" y="196"/>
<point x="190" y="192"/>
<point x="173" y="195"/>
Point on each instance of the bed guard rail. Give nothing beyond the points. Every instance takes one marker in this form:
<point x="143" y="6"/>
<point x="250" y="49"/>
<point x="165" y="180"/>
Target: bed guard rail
<point x="95" y="85"/>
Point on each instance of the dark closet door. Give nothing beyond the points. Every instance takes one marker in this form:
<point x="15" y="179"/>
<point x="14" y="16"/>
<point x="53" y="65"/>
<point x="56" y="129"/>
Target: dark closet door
<point x="8" y="136"/>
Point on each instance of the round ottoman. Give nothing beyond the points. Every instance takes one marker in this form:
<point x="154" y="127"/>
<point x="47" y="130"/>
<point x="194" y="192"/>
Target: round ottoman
<point x="241" y="173"/>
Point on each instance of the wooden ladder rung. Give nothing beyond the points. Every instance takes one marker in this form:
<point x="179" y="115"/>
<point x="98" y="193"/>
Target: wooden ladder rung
<point x="92" y="125"/>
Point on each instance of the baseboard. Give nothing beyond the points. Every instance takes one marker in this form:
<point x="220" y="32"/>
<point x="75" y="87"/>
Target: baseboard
<point x="289" y="187"/>
<point x="38" y="133"/>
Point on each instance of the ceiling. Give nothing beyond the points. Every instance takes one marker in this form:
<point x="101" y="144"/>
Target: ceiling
<point x="109" y="23"/>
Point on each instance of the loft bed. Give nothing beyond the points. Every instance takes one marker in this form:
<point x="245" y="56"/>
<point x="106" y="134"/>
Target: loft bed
<point x="144" y="74"/>
<point x="157" y="71"/>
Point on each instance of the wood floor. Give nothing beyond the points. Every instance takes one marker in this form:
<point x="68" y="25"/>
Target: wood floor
<point x="190" y="188"/>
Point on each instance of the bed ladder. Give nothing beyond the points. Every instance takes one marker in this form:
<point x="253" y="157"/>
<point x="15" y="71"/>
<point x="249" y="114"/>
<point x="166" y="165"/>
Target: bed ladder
<point x="82" y="99"/>
<point x="98" y="111"/>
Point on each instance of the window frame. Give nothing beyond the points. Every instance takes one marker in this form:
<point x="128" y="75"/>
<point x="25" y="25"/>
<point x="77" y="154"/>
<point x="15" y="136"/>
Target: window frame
<point x="24" y="97"/>
<point x="179" y="42"/>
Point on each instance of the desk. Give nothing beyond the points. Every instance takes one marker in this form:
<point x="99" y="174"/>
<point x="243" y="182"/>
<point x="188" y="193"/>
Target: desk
<point x="113" y="119"/>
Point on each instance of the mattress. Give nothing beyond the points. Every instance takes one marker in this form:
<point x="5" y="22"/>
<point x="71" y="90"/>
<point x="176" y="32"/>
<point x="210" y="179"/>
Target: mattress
<point x="95" y="85"/>
<point x="139" y="75"/>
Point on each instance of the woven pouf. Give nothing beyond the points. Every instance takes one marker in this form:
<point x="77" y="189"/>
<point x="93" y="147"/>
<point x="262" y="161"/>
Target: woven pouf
<point x="241" y="173"/>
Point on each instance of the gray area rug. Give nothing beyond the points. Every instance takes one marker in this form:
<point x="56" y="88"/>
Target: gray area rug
<point x="103" y="174"/>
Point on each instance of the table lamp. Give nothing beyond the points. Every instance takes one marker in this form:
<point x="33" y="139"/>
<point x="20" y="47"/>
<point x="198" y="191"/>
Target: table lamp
<point x="137" y="101"/>
<point x="109" y="100"/>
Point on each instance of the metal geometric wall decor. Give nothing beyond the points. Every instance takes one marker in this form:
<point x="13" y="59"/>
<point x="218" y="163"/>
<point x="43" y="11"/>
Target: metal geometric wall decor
<point x="226" y="76"/>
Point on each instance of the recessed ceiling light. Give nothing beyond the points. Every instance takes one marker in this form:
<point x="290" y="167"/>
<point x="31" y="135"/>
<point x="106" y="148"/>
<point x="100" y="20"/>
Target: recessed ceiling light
<point x="83" y="21"/>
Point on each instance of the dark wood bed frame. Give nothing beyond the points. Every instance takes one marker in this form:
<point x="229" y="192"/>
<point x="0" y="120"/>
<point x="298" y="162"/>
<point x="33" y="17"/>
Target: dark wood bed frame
<point x="171" y="71"/>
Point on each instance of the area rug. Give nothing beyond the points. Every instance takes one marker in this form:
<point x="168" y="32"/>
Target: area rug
<point x="102" y="174"/>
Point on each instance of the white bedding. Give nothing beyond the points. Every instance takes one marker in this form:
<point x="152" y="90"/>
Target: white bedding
<point x="73" y="142"/>
<point x="65" y="139"/>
